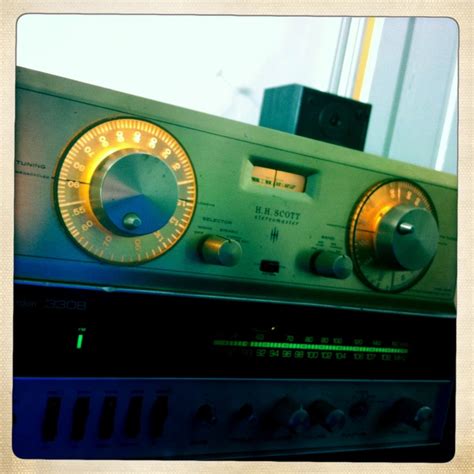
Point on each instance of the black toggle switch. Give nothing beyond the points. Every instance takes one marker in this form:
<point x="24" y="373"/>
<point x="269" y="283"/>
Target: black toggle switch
<point x="133" y="418"/>
<point x="80" y="414"/>
<point x="269" y="266"/>
<point x="49" y="428"/>
<point x="107" y="417"/>
<point x="158" y="415"/>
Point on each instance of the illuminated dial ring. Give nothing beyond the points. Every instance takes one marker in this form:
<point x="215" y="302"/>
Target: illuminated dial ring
<point x="370" y="210"/>
<point x="75" y="177"/>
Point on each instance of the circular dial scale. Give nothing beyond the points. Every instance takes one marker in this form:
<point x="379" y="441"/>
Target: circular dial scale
<point x="393" y="235"/>
<point x="126" y="191"/>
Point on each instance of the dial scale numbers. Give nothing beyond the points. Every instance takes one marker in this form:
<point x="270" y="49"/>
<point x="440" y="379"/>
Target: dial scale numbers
<point x="110" y="145"/>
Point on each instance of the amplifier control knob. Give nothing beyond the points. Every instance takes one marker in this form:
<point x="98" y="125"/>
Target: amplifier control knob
<point x="244" y="414"/>
<point x="412" y="413"/>
<point x="359" y="410"/>
<point x="289" y="414"/>
<point x="221" y="251"/>
<point x="205" y="415"/>
<point x="331" y="264"/>
<point x="327" y="415"/>
<point x="407" y="238"/>
<point x="243" y="422"/>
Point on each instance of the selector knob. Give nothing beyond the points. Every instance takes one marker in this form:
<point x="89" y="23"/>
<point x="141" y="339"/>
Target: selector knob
<point x="407" y="238"/>
<point x="289" y="414"/>
<point x="327" y="415"/>
<point x="221" y="251"/>
<point x="412" y="413"/>
<point x="331" y="264"/>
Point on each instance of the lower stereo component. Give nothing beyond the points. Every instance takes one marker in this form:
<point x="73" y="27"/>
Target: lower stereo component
<point x="238" y="380"/>
<point x="222" y="418"/>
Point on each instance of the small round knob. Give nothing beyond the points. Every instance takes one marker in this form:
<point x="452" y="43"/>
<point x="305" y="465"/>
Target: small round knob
<point x="327" y="415"/>
<point x="412" y="413"/>
<point x="221" y="251"/>
<point x="244" y="413"/>
<point x="331" y="264"/>
<point x="205" y="415"/>
<point x="407" y="238"/>
<point x="359" y="410"/>
<point x="243" y="421"/>
<point x="290" y="414"/>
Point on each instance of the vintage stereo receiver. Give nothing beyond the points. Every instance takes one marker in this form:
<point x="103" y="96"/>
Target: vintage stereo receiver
<point x="188" y="286"/>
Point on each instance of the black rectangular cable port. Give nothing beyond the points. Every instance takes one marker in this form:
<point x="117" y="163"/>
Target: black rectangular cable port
<point x="80" y="413"/>
<point x="158" y="415"/>
<point x="133" y="418"/>
<point x="49" y="427"/>
<point x="269" y="266"/>
<point x="107" y="417"/>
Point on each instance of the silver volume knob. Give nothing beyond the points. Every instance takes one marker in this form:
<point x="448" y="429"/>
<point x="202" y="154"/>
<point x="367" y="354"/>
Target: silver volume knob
<point x="221" y="251"/>
<point x="331" y="264"/>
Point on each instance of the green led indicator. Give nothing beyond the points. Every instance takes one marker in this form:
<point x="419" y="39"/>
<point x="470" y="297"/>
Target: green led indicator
<point x="321" y="347"/>
<point x="80" y="337"/>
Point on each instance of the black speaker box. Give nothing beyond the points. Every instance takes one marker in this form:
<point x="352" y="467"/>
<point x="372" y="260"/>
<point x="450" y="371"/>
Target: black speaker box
<point x="314" y="114"/>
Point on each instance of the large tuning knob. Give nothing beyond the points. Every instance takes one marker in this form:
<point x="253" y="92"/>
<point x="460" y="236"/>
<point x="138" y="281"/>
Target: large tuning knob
<point x="133" y="193"/>
<point x="407" y="238"/>
<point x="393" y="235"/>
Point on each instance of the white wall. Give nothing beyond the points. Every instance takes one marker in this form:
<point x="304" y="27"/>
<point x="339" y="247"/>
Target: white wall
<point x="214" y="64"/>
<point x="414" y="93"/>
<point x="221" y="65"/>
